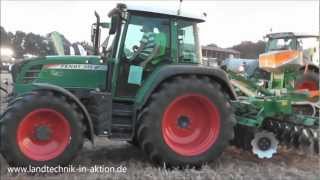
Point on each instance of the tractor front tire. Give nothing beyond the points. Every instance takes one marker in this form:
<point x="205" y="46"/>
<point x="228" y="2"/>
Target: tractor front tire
<point x="41" y="128"/>
<point x="308" y="81"/>
<point x="187" y="122"/>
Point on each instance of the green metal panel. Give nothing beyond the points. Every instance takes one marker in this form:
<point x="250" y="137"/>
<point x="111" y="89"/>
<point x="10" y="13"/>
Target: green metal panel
<point x="65" y="71"/>
<point x="253" y="111"/>
<point x="248" y="121"/>
<point x="284" y="79"/>
<point x="276" y="81"/>
<point x="272" y="107"/>
<point x="289" y="78"/>
<point x="73" y="78"/>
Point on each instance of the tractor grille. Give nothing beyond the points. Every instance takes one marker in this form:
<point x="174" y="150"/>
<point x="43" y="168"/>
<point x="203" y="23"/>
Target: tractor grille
<point x="32" y="74"/>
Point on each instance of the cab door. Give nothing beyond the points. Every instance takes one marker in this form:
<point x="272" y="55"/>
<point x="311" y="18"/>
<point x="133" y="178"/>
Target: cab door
<point x="130" y="74"/>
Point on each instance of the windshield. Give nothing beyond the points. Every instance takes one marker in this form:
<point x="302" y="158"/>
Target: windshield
<point x="108" y="43"/>
<point x="281" y="44"/>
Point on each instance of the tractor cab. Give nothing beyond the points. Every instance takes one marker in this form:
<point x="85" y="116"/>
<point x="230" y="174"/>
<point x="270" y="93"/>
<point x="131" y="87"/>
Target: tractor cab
<point x="289" y="50"/>
<point x="140" y="40"/>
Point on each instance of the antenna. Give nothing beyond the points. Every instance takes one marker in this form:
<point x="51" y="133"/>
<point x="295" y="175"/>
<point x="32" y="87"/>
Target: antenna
<point x="179" y="10"/>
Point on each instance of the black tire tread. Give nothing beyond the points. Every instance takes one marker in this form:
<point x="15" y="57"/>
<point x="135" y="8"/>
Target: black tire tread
<point x="12" y="154"/>
<point x="146" y="135"/>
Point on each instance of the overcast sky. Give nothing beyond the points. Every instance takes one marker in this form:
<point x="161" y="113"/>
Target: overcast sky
<point x="227" y="23"/>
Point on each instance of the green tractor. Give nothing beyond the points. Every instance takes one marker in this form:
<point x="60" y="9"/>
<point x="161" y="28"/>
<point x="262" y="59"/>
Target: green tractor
<point x="145" y="84"/>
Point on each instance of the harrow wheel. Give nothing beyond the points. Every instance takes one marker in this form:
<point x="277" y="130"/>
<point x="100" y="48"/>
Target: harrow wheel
<point x="41" y="128"/>
<point x="264" y="144"/>
<point x="188" y="122"/>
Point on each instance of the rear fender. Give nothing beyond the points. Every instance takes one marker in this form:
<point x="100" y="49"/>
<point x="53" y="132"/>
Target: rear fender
<point x="166" y="72"/>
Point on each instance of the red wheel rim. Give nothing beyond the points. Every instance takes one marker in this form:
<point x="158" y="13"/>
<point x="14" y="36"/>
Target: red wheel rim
<point x="54" y="139"/>
<point x="309" y="85"/>
<point x="191" y="124"/>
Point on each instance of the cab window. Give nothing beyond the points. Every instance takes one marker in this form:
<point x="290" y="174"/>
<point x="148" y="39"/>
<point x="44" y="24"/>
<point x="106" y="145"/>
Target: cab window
<point x="187" y="46"/>
<point x="150" y="31"/>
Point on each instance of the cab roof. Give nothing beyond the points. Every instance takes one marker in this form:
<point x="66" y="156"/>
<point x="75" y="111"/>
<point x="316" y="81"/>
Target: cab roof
<point x="167" y="12"/>
<point x="281" y="35"/>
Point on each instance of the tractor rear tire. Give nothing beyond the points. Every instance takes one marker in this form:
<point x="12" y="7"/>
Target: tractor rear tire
<point x="187" y="122"/>
<point x="41" y="128"/>
<point x="309" y="81"/>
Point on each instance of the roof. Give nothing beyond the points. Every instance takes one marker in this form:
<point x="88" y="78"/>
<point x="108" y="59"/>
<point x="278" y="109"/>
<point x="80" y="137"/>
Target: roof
<point x="157" y="10"/>
<point x="290" y="34"/>
<point x="212" y="48"/>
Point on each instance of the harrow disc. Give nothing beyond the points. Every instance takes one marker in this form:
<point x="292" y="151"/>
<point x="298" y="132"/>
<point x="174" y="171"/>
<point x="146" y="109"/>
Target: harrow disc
<point x="295" y="136"/>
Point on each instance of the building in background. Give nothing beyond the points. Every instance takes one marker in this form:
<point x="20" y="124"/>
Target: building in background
<point x="214" y="55"/>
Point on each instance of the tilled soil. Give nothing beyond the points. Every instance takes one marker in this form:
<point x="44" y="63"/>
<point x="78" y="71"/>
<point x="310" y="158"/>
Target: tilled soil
<point x="233" y="164"/>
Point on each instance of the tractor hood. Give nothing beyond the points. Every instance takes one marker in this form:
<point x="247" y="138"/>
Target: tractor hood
<point x="87" y="72"/>
<point x="45" y="60"/>
<point x="68" y="59"/>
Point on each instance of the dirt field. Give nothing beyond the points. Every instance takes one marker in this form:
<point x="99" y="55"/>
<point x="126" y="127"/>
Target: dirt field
<point x="233" y="164"/>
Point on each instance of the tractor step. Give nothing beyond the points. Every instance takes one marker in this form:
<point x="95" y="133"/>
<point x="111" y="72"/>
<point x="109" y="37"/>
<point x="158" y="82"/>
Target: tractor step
<point x="121" y="126"/>
<point x="122" y="113"/>
<point x="120" y="137"/>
